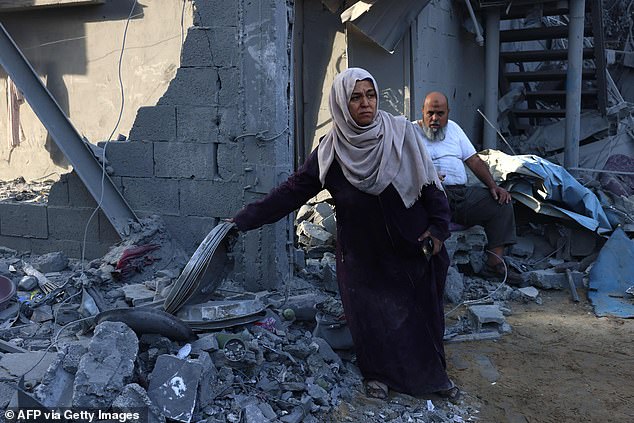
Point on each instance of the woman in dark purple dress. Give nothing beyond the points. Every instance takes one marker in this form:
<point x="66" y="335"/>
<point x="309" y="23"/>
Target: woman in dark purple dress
<point x="388" y="199"/>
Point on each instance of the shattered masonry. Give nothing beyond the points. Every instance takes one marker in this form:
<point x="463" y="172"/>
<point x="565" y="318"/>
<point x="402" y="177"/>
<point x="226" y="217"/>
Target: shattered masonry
<point x="190" y="158"/>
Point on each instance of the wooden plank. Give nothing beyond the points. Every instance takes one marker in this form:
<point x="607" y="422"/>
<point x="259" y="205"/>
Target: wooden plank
<point x="21" y="5"/>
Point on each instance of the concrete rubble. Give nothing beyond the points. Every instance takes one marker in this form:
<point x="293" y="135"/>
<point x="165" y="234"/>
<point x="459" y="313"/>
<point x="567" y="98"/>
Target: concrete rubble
<point x="294" y="363"/>
<point x="287" y="358"/>
<point x="273" y="356"/>
<point x="291" y="364"/>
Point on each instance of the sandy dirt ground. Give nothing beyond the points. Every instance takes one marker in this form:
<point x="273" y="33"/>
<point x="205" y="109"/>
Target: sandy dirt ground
<point x="560" y="364"/>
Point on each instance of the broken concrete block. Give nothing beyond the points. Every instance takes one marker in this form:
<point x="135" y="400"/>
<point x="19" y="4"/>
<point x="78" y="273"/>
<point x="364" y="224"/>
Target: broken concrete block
<point x="72" y="356"/>
<point x="174" y="386"/>
<point x="529" y="292"/>
<point x="329" y="272"/>
<point x="304" y="213"/>
<point x="299" y="258"/>
<point x="107" y="366"/>
<point x="319" y="251"/>
<point x="267" y="410"/>
<point x="43" y="313"/>
<point x="318" y="393"/>
<point x="206" y="343"/>
<point x="138" y="293"/>
<point x="311" y="235"/>
<point x="154" y="123"/>
<point x="508" y="100"/>
<point x="134" y="398"/>
<point x="253" y="414"/>
<point x="325" y="351"/>
<point x="486" y="318"/>
<point x="322" y="210"/>
<point x="330" y="224"/>
<point x="56" y="389"/>
<point x="51" y="262"/>
<point x="15" y="365"/>
<point x="208" y="378"/>
<point x="523" y="248"/>
<point x="454" y="285"/>
<point x="551" y="279"/>
<point x="466" y="249"/>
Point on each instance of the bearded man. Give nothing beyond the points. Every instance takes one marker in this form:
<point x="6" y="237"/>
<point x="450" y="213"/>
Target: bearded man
<point x="490" y="207"/>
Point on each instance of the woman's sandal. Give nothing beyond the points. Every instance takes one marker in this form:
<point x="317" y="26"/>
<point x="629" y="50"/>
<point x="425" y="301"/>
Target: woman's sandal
<point x="376" y="389"/>
<point x="452" y="394"/>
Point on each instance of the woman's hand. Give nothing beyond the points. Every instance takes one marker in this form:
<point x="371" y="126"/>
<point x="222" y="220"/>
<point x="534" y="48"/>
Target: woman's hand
<point x="436" y="241"/>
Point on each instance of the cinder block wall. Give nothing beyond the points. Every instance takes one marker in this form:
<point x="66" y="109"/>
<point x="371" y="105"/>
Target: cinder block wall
<point x="58" y="225"/>
<point x="220" y="137"/>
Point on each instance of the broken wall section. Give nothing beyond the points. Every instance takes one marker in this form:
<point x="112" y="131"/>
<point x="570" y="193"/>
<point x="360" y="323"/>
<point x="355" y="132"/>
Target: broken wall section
<point x="208" y="146"/>
<point x="75" y="50"/>
<point x="218" y="138"/>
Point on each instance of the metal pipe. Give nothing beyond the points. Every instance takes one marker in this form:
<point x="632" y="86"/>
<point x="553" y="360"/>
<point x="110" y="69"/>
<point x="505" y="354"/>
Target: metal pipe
<point x="573" y="83"/>
<point x="479" y="37"/>
<point x="491" y="71"/>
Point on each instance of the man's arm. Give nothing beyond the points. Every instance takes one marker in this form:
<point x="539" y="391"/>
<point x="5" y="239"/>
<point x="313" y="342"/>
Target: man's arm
<point x="481" y="170"/>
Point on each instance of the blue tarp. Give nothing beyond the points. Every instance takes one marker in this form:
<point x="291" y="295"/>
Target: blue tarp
<point x="611" y="275"/>
<point x="555" y="192"/>
<point x="563" y="188"/>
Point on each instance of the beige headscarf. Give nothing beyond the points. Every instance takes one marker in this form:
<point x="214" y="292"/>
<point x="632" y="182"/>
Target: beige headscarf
<point x="387" y="151"/>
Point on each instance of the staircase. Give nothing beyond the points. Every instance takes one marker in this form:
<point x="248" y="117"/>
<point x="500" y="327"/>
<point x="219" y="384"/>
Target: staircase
<point x="542" y="71"/>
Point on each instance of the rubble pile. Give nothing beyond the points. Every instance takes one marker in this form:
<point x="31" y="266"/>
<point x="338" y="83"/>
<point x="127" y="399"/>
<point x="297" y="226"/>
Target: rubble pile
<point x="316" y="230"/>
<point x="21" y="190"/>
<point x="68" y="336"/>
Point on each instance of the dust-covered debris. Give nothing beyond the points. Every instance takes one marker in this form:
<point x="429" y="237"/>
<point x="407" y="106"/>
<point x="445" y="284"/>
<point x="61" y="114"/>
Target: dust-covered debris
<point x="21" y="190"/>
<point x="291" y="359"/>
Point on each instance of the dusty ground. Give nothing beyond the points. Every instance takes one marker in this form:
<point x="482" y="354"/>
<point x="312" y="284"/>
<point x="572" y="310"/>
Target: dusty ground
<point x="560" y="364"/>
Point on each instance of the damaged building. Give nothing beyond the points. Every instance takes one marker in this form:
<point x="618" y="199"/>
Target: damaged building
<point x="134" y="129"/>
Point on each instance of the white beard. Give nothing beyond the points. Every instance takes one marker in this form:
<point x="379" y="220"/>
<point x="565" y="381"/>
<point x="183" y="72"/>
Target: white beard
<point x="437" y="135"/>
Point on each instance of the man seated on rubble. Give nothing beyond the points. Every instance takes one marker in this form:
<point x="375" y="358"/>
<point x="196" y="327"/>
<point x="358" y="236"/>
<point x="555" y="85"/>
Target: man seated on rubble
<point x="470" y="205"/>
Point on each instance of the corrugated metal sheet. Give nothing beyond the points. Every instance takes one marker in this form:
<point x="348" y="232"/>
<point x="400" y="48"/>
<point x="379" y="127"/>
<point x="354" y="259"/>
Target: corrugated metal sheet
<point x="384" y="21"/>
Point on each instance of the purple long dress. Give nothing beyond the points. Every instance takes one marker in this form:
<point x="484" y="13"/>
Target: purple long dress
<point x="392" y="296"/>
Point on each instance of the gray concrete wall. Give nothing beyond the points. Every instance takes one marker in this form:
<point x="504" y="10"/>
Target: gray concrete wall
<point x="437" y="54"/>
<point x="76" y="52"/>
<point x="219" y="137"/>
<point x="323" y="57"/>
<point x="446" y="58"/>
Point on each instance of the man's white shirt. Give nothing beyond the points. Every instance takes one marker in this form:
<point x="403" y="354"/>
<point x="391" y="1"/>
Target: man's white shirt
<point x="449" y="154"/>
